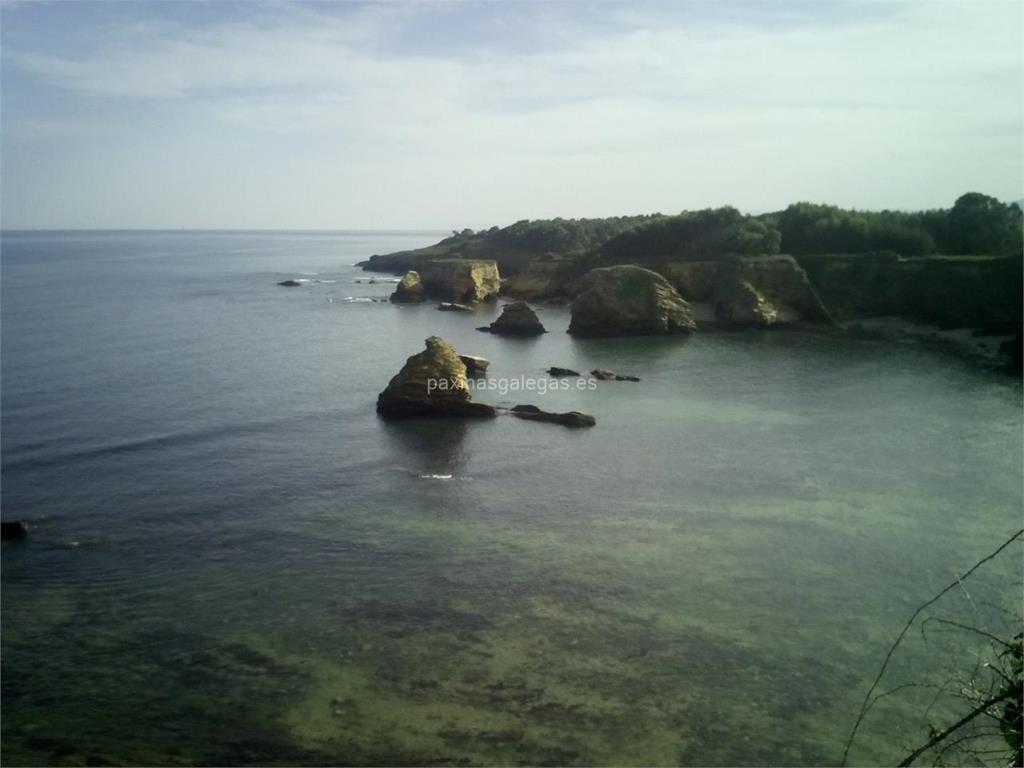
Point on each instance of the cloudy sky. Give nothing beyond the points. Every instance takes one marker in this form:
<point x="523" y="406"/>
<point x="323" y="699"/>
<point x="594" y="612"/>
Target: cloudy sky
<point x="452" y="114"/>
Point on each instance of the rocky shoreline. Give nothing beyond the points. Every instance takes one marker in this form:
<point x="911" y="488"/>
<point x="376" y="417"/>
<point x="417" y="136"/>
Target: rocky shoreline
<point x="968" y="303"/>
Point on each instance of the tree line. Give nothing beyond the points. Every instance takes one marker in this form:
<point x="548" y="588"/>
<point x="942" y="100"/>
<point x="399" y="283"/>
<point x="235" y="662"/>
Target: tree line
<point x="976" y="225"/>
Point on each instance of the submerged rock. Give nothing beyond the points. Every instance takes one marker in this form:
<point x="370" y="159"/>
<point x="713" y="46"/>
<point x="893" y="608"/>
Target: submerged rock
<point x="628" y="301"/>
<point x="516" y="319"/>
<point x="452" y="306"/>
<point x="13" y="530"/>
<point x="475" y="365"/>
<point x="568" y="419"/>
<point x="557" y="372"/>
<point x="461" y="280"/>
<point x="606" y="375"/>
<point x="290" y="284"/>
<point x="409" y="290"/>
<point x="431" y="383"/>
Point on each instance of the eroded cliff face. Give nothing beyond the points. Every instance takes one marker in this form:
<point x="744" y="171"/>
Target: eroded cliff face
<point x="548" y="277"/>
<point x="461" y="280"/>
<point x="977" y="292"/>
<point x="949" y="291"/>
<point x="758" y="292"/>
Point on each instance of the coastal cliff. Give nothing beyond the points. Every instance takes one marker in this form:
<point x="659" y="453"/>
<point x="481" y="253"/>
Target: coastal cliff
<point x="981" y="292"/>
<point x="758" y="291"/>
<point x="808" y="263"/>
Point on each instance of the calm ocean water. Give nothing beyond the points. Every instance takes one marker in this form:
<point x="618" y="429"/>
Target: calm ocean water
<point x="233" y="560"/>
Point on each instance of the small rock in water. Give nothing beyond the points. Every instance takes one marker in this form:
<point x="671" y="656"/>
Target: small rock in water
<point x="556" y="371"/>
<point x="605" y="375"/>
<point x="568" y="419"/>
<point x="13" y="530"/>
<point x="475" y="365"/>
<point x="453" y="306"/>
<point x="516" y="319"/>
<point x="290" y="284"/>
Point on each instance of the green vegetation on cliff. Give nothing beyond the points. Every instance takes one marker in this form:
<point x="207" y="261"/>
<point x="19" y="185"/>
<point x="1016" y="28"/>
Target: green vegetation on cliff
<point x="563" y="236"/>
<point x="975" y="225"/>
<point x="693" y="236"/>
<point x="514" y="247"/>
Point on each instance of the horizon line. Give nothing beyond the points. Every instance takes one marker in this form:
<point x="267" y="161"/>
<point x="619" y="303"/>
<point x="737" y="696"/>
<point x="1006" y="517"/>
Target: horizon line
<point x="8" y="230"/>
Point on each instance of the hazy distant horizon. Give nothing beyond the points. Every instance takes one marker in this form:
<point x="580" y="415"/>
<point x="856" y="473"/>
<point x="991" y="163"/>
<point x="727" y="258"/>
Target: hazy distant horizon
<point x="432" y="230"/>
<point x="402" y="116"/>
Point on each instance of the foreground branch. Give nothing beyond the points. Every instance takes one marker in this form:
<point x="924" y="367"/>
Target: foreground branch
<point x="978" y="710"/>
<point x="866" y="704"/>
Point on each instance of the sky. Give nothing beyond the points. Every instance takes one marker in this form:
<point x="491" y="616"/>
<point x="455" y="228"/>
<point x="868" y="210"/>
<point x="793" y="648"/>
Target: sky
<point x="444" y="115"/>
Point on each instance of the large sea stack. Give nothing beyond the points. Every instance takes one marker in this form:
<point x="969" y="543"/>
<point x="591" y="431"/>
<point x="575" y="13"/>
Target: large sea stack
<point x="463" y="281"/>
<point x="409" y="289"/>
<point x="431" y="383"/>
<point x="629" y="301"/>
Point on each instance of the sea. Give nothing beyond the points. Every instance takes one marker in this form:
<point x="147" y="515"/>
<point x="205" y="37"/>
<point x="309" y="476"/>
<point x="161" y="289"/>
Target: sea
<point x="232" y="560"/>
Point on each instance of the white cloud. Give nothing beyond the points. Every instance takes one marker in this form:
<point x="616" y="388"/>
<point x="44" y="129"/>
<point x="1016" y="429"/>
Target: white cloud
<point x="664" y="112"/>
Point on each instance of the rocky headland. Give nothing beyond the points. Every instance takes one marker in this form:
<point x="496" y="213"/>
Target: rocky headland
<point x="957" y="269"/>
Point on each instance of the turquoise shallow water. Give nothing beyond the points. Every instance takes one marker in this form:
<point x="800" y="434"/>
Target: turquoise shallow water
<point x="234" y="560"/>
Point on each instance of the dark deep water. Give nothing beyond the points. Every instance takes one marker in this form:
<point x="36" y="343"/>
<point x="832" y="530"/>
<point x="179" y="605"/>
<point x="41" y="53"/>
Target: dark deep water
<point x="233" y="560"/>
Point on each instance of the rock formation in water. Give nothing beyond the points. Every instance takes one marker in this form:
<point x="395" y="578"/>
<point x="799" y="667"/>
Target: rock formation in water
<point x="568" y="419"/>
<point x="628" y="301"/>
<point x="290" y="284"/>
<point x="461" y="280"/>
<point x="409" y="290"/>
<point x="516" y="319"/>
<point x="431" y="383"/>
<point x="606" y="375"/>
<point x="557" y="372"/>
<point x="475" y="366"/>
